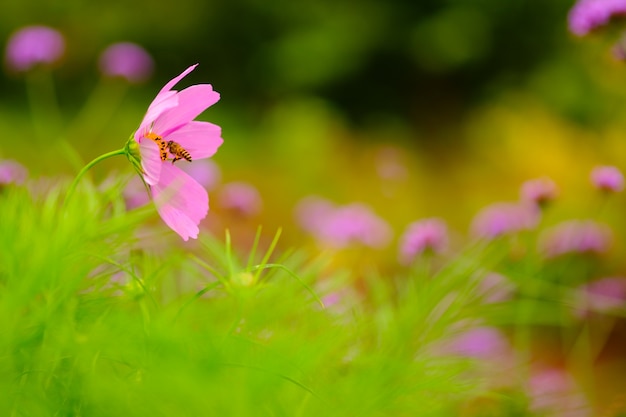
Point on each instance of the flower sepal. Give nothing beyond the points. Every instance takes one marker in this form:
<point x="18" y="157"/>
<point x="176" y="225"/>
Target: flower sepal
<point x="131" y="149"/>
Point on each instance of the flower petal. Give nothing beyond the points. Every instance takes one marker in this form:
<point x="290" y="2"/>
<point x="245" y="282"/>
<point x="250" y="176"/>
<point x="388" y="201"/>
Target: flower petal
<point x="178" y="222"/>
<point x="175" y="80"/>
<point x="191" y="102"/>
<point x="165" y="100"/>
<point x="200" y="139"/>
<point x="161" y="103"/>
<point x="180" y="200"/>
<point x="150" y="161"/>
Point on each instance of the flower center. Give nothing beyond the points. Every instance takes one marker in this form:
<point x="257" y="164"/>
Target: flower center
<point x="172" y="147"/>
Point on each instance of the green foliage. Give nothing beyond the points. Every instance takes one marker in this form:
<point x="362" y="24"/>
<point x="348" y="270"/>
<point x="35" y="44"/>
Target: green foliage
<point x="97" y="323"/>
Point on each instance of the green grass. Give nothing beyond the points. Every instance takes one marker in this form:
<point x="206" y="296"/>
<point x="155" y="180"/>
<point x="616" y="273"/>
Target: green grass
<point x="97" y="321"/>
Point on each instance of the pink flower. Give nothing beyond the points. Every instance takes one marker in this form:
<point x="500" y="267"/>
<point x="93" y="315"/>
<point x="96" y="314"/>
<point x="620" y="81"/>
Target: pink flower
<point x="505" y="218"/>
<point x="587" y="15"/>
<point x="607" y="178"/>
<point x="311" y="212"/>
<point x="241" y="198"/>
<point x="206" y="172"/>
<point x="554" y="392"/>
<point x="575" y="236"/>
<point x="539" y="191"/>
<point x="127" y="60"/>
<point x="479" y="342"/>
<point x="603" y="295"/>
<point x="495" y="288"/>
<point x="168" y="133"/>
<point x="421" y="236"/>
<point x="33" y="45"/>
<point x="343" y="226"/>
<point x="135" y="194"/>
<point x="12" y="172"/>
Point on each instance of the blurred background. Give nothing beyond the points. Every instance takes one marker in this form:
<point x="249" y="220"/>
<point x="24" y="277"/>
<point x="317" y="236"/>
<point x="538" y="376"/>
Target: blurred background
<point x="415" y="108"/>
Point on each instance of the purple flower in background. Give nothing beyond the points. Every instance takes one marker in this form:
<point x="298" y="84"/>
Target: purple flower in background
<point x="554" y="391"/>
<point x="575" y="236"/>
<point x="33" y="45"/>
<point x="587" y="15"/>
<point x="342" y="226"/>
<point x="135" y="194"/>
<point x="607" y="178"/>
<point x="241" y="198"/>
<point x="603" y="295"/>
<point x="205" y="171"/>
<point x="505" y="218"/>
<point x="127" y="60"/>
<point x="480" y="343"/>
<point x="12" y="172"/>
<point x="539" y="191"/>
<point x="311" y="213"/>
<point x="422" y="236"/>
<point x="355" y="223"/>
<point x="496" y="288"/>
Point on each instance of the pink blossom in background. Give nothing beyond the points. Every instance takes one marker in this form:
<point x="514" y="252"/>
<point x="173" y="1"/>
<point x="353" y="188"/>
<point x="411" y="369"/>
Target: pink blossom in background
<point x="607" y="178"/>
<point x="342" y="226"/>
<point x="206" y="172"/>
<point x="480" y="342"/>
<point x="354" y="224"/>
<point x="428" y="235"/>
<point x="575" y="236"/>
<point x="603" y="295"/>
<point x="127" y="60"/>
<point x="34" y="45"/>
<point x="180" y="200"/>
<point x="539" y="191"/>
<point x="501" y="219"/>
<point x="496" y="288"/>
<point x="12" y="172"/>
<point x="135" y="194"/>
<point x="312" y="212"/>
<point x="553" y="392"/>
<point x="241" y="198"/>
<point x="587" y="15"/>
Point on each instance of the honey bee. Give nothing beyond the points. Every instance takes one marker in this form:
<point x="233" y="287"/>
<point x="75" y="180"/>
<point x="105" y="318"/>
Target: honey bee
<point x="172" y="147"/>
<point x="178" y="151"/>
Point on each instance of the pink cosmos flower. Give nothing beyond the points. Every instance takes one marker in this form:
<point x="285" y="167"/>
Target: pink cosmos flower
<point x="34" y="45"/>
<point x="587" y="15"/>
<point x="421" y="236"/>
<point x="180" y="200"/>
<point x="127" y="60"/>
<point x="607" y="178"/>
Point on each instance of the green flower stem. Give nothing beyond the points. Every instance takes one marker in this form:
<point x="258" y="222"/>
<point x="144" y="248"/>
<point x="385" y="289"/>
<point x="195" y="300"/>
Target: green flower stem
<point x="88" y="167"/>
